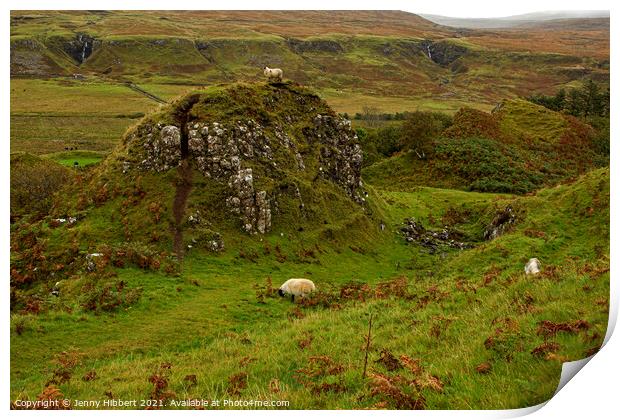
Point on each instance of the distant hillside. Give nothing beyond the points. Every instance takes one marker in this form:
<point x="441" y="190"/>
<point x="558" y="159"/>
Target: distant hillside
<point x="338" y="49"/>
<point x="527" y="19"/>
<point x="70" y="69"/>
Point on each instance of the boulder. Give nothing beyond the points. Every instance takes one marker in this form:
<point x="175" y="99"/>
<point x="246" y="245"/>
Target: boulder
<point x="532" y="266"/>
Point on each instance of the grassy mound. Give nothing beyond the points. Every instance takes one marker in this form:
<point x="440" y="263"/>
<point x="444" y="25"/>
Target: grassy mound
<point x="276" y="158"/>
<point x="516" y="149"/>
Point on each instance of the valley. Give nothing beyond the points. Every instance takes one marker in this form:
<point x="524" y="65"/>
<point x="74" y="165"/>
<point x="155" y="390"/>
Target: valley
<point x="407" y="168"/>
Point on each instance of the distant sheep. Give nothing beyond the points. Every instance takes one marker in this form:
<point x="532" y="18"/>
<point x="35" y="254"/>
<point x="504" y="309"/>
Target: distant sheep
<point x="532" y="266"/>
<point x="273" y="73"/>
<point x="296" y="287"/>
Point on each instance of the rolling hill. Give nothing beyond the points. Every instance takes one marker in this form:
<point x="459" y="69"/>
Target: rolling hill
<point x="517" y="148"/>
<point x="539" y="19"/>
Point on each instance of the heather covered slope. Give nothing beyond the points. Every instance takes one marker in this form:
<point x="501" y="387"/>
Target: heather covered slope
<point x="394" y="61"/>
<point x="391" y="53"/>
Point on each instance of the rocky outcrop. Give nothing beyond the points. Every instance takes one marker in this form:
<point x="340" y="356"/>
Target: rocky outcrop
<point x="442" y="52"/>
<point x="217" y="151"/>
<point x="341" y="155"/>
<point x="81" y="47"/>
<point x="252" y="206"/>
<point x="218" y="148"/>
<point x="162" y="148"/>
<point x="318" y="45"/>
<point x="502" y="221"/>
<point x="294" y="140"/>
<point x="414" y="232"/>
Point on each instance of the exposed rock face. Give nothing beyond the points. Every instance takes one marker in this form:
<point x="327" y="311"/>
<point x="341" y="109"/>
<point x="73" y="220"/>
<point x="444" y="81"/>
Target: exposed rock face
<point x="252" y="206"/>
<point x="443" y="53"/>
<point x="414" y="232"/>
<point x="162" y="148"/>
<point x="341" y="155"/>
<point x="218" y="149"/>
<point x="81" y="47"/>
<point x="500" y="224"/>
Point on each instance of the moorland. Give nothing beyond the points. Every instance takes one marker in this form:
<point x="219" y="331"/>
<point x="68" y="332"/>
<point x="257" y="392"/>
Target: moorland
<point x="162" y="189"/>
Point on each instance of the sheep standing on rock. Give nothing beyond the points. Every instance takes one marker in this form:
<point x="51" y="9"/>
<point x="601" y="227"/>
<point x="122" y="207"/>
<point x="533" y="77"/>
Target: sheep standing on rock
<point x="296" y="287"/>
<point x="273" y="73"/>
<point x="532" y="266"/>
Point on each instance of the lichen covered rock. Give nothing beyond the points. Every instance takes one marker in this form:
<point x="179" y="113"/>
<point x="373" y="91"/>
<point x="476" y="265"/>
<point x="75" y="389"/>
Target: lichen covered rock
<point x="162" y="148"/>
<point x="341" y="155"/>
<point x="253" y="141"/>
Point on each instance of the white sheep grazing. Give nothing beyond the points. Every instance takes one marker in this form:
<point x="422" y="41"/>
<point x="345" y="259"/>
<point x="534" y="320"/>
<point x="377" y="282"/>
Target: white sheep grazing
<point x="296" y="287"/>
<point x="273" y="73"/>
<point x="532" y="266"/>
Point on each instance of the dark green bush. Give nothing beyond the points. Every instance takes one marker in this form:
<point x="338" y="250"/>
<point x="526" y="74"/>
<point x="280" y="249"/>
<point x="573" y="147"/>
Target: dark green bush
<point x="486" y="164"/>
<point x="379" y="143"/>
<point x="420" y="129"/>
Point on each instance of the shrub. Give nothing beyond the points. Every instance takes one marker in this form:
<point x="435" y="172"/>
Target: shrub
<point x="108" y="296"/>
<point x="486" y="164"/>
<point x="379" y="143"/>
<point x="34" y="181"/>
<point x="469" y="122"/>
<point x="420" y="129"/>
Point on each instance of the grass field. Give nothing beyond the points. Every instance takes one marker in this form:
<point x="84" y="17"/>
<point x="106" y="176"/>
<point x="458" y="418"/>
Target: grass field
<point x="49" y="115"/>
<point x="219" y="320"/>
<point x="83" y="158"/>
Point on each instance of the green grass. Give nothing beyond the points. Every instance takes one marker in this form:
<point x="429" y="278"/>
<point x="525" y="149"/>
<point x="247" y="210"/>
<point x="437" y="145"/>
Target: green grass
<point x="49" y="116"/>
<point x="207" y="329"/>
<point x="82" y="157"/>
<point x="83" y="98"/>
<point x="43" y="134"/>
<point x="213" y="315"/>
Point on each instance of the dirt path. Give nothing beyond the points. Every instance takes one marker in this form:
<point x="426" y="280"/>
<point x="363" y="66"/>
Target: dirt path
<point x="149" y="95"/>
<point x="183" y="188"/>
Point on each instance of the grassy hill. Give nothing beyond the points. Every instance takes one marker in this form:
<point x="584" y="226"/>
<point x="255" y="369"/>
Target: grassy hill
<point x="150" y="269"/>
<point x="517" y="148"/>
<point x="196" y="176"/>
